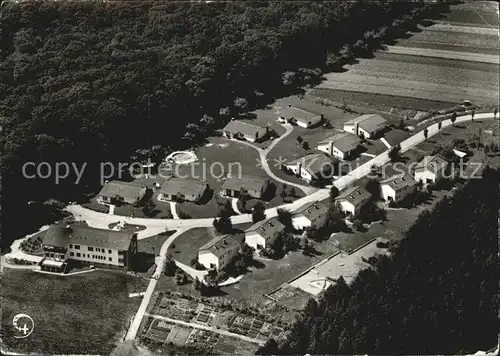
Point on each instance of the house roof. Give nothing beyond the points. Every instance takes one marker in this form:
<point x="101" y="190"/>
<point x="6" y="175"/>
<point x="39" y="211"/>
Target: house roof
<point x="432" y="164"/>
<point x="354" y="195"/>
<point x="61" y="235"/>
<point x="343" y="141"/>
<point x="298" y="114"/>
<point x="237" y="126"/>
<point x="368" y="122"/>
<point x="220" y="244"/>
<point x="400" y="181"/>
<point x="175" y="185"/>
<point x="314" y="163"/>
<point x="312" y="210"/>
<point x="246" y="182"/>
<point x="396" y="136"/>
<point x="267" y="228"/>
<point x="129" y="191"/>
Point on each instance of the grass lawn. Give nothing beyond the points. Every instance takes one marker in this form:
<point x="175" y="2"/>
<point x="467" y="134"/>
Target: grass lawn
<point x="152" y="244"/>
<point x="260" y="281"/>
<point x="186" y="246"/>
<point x="479" y="13"/>
<point x="94" y="205"/>
<point x="82" y="314"/>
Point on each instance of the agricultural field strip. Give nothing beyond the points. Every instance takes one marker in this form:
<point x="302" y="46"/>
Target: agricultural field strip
<point x="206" y="328"/>
<point x="431" y="73"/>
<point x="448" y="27"/>
<point x="464" y="56"/>
<point x="409" y="88"/>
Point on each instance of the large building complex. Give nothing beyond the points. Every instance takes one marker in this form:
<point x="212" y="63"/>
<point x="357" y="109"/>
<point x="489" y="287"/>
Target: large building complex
<point x="100" y="247"/>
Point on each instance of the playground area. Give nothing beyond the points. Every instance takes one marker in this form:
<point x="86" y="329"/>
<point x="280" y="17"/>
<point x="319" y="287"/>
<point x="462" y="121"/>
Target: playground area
<point x="182" y="157"/>
<point x="340" y="265"/>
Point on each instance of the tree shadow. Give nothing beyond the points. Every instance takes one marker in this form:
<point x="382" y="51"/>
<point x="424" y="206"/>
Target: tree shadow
<point x="270" y="192"/>
<point x="207" y="196"/>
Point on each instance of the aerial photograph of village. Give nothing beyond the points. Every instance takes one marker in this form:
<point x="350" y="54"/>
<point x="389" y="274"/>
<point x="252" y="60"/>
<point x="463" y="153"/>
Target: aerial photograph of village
<point x="249" y="177"/>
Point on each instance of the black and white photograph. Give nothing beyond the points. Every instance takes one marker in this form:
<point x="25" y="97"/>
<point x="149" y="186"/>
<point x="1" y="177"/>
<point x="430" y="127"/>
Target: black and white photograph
<point x="246" y="177"/>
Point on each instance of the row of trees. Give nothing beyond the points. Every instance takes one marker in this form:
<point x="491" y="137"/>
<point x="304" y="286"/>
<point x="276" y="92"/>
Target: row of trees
<point x="436" y="293"/>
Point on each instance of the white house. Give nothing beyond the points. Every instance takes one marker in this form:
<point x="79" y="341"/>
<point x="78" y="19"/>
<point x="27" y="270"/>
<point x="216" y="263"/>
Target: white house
<point x="105" y="248"/>
<point x="254" y="187"/>
<point x="244" y="130"/>
<point x="264" y="233"/>
<point x="220" y="251"/>
<point x="121" y="192"/>
<point x="397" y="188"/>
<point x="312" y="167"/>
<point x="181" y="189"/>
<point x="313" y="214"/>
<point x="430" y="169"/>
<point x="352" y="199"/>
<point x="341" y="145"/>
<point x="367" y="126"/>
<point x="299" y="117"/>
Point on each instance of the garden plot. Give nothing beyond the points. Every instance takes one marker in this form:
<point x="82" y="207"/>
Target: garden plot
<point x="202" y="339"/>
<point x="179" y="309"/>
<point x="179" y="335"/>
<point x="158" y="331"/>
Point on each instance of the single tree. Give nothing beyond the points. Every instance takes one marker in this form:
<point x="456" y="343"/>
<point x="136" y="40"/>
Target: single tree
<point x="300" y="139"/>
<point x="440" y="125"/>
<point x="453" y="118"/>
<point x="283" y="195"/>
<point x="293" y="192"/>
<point x="495" y="112"/>
<point x="258" y="212"/>
<point x="373" y="187"/>
<point x="334" y="192"/>
<point x="402" y="125"/>
<point x="394" y="153"/>
<point x="170" y="266"/>
<point x="426" y="133"/>
<point x="285" y="217"/>
<point x="197" y="284"/>
<point x="472" y="114"/>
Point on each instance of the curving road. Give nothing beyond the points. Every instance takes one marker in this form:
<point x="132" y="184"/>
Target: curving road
<point x="265" y="164"/>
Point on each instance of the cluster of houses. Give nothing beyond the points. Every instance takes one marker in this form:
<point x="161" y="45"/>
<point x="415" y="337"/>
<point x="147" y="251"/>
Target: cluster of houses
<point x="313" y="166"/>
<point x="220" y="251"/>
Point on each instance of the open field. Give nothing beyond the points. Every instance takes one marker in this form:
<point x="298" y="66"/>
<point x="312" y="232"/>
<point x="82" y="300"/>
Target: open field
<point x="458" y="38"/>
<point x="439" y="63"/>
<point x="79" y="314"/>
<point x="364" y="78"/>
<point x="477" y="13"/>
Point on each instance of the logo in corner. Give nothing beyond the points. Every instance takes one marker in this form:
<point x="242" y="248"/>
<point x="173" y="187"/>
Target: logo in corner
<point x="23" y="326"/>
